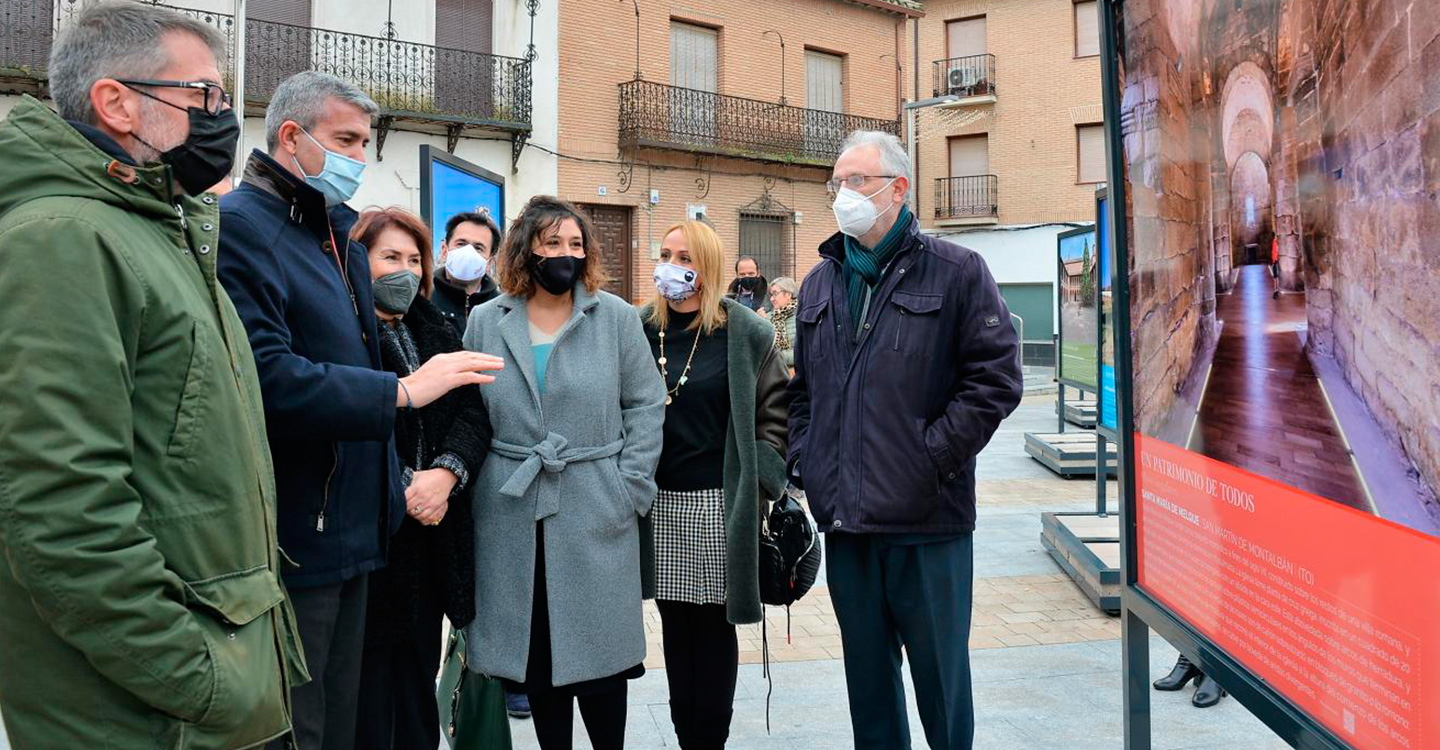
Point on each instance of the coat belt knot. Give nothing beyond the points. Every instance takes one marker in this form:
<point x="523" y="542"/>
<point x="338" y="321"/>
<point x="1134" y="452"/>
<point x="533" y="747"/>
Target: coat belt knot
<point x="550" y="455"/>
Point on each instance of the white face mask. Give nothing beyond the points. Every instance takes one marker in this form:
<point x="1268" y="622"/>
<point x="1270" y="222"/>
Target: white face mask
<point x="464" y="263"/>
<point x="855" y="213"/>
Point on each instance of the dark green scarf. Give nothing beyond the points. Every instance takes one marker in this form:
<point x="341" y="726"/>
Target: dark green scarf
<point x="864" y="266"/>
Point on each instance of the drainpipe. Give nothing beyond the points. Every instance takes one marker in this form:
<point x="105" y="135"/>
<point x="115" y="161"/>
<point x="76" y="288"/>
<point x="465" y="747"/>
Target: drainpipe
<point x="915" y="96"/>
<point x="238" y="95"/>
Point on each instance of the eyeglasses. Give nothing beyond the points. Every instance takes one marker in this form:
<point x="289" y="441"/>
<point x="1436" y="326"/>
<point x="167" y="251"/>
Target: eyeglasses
<point x="854" y="182"/>
<point x="216" y="100"/>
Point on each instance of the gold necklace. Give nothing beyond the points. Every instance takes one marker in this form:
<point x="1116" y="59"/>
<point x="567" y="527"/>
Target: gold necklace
<point x="684" y="375"/>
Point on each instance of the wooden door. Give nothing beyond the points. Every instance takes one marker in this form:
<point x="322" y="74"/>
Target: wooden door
<point x="965" y="38"/>
<point x="278" y="42"/>
<point x="694" y="66"/>
<point x="465" y="77"/>
<point x="612" y="233"/>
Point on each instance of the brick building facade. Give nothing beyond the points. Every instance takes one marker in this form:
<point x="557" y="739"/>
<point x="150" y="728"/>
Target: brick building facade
<point x="711" y="124"/>
<point x="1017" y="159"/>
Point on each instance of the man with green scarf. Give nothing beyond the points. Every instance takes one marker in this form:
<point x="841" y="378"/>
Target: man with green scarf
<point x="905" y="364"/>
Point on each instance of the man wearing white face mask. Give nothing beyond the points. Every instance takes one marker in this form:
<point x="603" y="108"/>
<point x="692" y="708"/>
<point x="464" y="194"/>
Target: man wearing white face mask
<point x="303" y="290"/>
<point x="463" y="281"/>
<point x="905" y="364"/>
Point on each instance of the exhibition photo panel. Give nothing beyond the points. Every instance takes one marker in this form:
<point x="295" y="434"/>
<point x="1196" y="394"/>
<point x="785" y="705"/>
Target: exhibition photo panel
<point x="1280" y="162"/>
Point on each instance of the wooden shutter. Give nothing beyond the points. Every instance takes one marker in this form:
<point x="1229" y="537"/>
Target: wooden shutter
<point x="1091" y="140"/>
<point x="1087" y="28"/>
<point x="966" y="37"/>
<point x="824" y="88"/>
<point x="693" y="57"/>
<point x="970" y="156"/>
<point x="293" y="12"/>
<point x="464" y="25"/>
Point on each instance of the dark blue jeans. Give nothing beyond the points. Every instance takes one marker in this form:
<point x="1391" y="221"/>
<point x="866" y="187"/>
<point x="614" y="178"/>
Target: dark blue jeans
<point x="894" y="591"/>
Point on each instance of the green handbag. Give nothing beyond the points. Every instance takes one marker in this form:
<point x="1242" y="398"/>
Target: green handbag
<point x="472" y="706"/>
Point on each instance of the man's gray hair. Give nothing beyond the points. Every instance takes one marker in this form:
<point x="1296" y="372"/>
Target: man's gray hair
<point x="894" y="159"/>
<point x="787" y="285"/>
<point x="301" y="98"/>
<point x="117" y="40"/>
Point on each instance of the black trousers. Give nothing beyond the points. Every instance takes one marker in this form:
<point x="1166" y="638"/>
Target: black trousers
<point x="702" y="657"/>
<point x="888" y="594"/>
<point x="332" y="632"/>
<point x="553" y="712"/>
<point x="397" y="684"/>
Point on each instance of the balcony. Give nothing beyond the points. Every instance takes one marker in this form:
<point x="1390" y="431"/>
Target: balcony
<point x="970" y="78"/>
<point x="967" y="200"/>
<point x="417" y="83"/>
<point x="654" y="115"/>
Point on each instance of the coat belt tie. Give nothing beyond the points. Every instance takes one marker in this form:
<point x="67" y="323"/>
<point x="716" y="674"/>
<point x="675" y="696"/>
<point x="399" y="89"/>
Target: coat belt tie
<point x="551" y="455"/>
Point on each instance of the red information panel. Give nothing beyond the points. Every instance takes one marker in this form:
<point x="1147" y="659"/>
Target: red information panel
<point x="1334" y="608"/>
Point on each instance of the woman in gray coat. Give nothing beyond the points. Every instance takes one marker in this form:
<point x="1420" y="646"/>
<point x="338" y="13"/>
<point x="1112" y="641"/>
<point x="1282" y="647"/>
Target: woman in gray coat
<point x="578" y="417"/>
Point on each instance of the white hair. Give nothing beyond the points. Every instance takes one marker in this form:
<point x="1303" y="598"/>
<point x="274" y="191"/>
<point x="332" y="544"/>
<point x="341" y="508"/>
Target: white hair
<point x="894" y="159"/>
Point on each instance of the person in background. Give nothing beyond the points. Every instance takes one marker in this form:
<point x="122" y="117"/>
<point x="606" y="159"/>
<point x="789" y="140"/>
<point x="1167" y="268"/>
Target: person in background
<point x="783" y="294"/>
<point x="749" y="287"/>
<point x="430" y="573"/>
<point x="1207" y="691"/>
<point x="1275" y="265"/>
<point x="723" y="460"/>
<point x="463" y="281"/>
<point x="578" y="418"/>
<point x="140" y="599"/>
<point x="905" y="365"/>
<point x="303" y="290"/>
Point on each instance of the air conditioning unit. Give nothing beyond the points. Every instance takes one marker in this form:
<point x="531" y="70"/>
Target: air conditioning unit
<point x="963" y="81"/>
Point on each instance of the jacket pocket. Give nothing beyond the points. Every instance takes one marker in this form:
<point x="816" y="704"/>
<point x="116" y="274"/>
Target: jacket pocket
<point x="813" y="320"/>
<point x="248" y="705"/>
<point x="626" y="512"/>
<point x="917" y="324"/>
<point x="189" y="415"/>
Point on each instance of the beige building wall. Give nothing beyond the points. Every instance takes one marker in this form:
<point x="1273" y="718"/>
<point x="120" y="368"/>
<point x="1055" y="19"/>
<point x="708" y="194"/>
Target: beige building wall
<point x="597" y="54"/>
<point x="1043" y="92"/>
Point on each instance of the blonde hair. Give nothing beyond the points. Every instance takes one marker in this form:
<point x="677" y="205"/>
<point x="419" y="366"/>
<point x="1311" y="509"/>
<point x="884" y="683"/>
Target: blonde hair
<point x="709" y="257"/>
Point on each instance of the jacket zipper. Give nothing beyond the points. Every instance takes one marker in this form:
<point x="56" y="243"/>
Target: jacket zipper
<point x="325" y="495"/>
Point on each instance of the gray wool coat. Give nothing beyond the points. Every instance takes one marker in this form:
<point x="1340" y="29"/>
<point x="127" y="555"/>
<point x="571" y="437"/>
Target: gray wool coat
<point x="581" y="460"/>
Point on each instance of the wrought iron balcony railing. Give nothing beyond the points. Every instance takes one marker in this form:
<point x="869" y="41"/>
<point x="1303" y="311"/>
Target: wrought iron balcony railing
<point x="967" y="197"/>
<point x="965" y="76"/>
<point x="408" y="80"/>
<point x="659" y="116"/>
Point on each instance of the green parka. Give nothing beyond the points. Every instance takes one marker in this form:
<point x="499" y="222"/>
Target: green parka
<point x="140" y="601"/>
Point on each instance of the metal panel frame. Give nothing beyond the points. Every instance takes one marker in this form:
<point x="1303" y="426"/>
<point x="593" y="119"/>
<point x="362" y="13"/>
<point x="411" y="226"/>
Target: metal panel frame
<point x="430" y="154"/>
<point x="1141" y="612"/>
<point x="1059" y="307"/>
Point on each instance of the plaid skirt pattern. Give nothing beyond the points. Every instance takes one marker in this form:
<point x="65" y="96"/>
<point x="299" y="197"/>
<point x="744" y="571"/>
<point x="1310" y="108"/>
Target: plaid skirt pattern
<point x="689" y="546"/>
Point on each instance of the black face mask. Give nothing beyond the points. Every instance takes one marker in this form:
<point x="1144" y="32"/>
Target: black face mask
<point x="748" y="284"/>
<point x="208" y="153"/>
<point x="556" y="275"/>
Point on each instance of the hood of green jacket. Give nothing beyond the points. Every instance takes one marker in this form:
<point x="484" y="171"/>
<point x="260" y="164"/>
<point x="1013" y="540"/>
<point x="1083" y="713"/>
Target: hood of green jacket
<point x="45" y="157"/>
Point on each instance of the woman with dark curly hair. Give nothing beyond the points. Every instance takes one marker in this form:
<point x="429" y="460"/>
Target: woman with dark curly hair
<point x="578" y="415"/>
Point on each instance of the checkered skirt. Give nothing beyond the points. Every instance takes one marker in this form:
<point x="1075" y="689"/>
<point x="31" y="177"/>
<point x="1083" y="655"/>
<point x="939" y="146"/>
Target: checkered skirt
<point x="689" y="546"/>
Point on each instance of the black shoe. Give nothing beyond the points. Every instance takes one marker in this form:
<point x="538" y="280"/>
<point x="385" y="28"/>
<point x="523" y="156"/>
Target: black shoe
<point x="1182" y="674"/>
<point x="1276" y="295"/>
<point x="1207" y="692"/>
<point x="517" y="705"/>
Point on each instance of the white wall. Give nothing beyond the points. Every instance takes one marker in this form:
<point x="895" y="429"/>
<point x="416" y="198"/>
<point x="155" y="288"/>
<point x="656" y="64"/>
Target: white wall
<point x="1016" y="255"/>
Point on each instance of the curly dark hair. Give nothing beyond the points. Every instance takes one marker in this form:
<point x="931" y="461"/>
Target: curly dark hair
<point x="541" y="215"/>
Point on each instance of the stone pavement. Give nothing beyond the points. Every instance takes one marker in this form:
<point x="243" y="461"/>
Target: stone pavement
<point x="1046" y="662"/>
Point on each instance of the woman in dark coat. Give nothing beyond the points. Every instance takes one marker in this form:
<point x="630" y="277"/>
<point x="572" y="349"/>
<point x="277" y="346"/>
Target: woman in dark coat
<point x="725" y="438"/>
<point x="430" y="570"/>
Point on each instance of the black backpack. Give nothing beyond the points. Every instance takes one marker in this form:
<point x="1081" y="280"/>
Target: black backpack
<point x="789" y="553"/>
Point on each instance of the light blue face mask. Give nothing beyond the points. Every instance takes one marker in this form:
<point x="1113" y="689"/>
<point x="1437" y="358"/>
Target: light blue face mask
<point x="338" y="179"/>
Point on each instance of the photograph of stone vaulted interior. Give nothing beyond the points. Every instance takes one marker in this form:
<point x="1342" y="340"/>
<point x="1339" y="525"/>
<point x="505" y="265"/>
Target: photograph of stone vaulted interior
<point x="1307" y="132"/>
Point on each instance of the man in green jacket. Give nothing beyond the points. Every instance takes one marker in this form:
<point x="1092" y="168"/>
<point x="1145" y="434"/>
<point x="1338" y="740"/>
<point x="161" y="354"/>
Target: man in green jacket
<point x="140" y="601"/>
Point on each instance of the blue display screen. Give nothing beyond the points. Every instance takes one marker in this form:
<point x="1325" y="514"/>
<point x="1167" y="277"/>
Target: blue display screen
<point x="453" y="191"/>
<point x="1109" y="417"/>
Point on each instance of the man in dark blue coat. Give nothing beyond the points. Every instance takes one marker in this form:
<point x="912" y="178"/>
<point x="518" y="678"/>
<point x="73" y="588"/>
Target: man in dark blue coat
<point x="905" y="364"/>
<point x="303" y="291"/>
